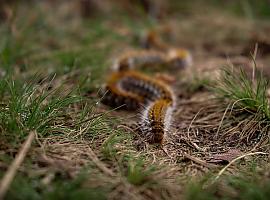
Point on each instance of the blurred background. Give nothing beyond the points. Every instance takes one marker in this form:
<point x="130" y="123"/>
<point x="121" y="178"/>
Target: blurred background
<point x="62" y="35"/>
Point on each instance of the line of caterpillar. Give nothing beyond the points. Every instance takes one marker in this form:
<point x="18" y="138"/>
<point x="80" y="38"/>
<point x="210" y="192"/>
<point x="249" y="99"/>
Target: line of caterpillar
<point x="133" y="90"/>
<point x="129" y="89"/>
<point x="175" y="58"/>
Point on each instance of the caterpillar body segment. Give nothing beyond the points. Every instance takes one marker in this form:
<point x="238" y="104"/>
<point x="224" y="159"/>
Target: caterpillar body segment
<point x="117" y="100"/>
<point x="135" y="59"/>
<point x="172" y="59"/>
<point x="179" y="58"/>
<point x="156" y="120"/>
<point x="131" y="89"/>
<point x="115" y="95"/>
<point x="175" y="57"/>
<point x="145" y="86"/>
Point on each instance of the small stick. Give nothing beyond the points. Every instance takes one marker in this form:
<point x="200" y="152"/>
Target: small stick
<point x="234" y="160"/>
<point x="10" y="174"/>
<point x="222" y="119"/>
<point x="199" y="161"/>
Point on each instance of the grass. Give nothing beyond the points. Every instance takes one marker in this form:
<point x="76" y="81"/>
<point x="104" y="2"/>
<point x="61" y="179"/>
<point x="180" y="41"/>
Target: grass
<point x="245" y="8"/>
<point x="245" y="97"/>
<point x="250" y="183"/>
<point x="198" y="84"/>
<point x="137" y="174"/>
<point x="31" y="188"/>
<point x="32" y="108"/>
<point x="243" y="91"/>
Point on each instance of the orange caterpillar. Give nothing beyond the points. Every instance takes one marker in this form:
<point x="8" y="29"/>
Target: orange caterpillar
<point x="131" y="90"/>
<point x="175" y="58"/>
<point x="156" y="120"/>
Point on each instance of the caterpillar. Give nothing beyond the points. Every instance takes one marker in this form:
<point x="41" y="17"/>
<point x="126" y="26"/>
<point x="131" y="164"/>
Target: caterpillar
<point x="156" y="120"/>
<point x="131" y="90"/>
<point x="174" y="58"/>
<point x="133" y="59"/>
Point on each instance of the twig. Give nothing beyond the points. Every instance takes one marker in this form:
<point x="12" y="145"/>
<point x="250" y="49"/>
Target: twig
<point x="199" y="161"/>
<point x="222" y="119"/>
<point x="10" y="174"/>
<point x="192" y="144"/>
<point x="193" y="121"/>
<point x="234" y="160"/>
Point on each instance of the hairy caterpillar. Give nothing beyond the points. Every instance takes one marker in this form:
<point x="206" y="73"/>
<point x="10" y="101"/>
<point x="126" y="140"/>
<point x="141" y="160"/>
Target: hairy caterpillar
<point x="156" y="120"/>
<point x="179" y="58"/>
<point x="173" y="58"/>
<point x="116" y="96"/>
<point x="176" y="57"/>
<point x="131" y="90"/>
<point x="133" y="59"/>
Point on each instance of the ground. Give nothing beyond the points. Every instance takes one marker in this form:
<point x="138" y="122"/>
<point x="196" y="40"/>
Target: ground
<point x="55" y="59"/>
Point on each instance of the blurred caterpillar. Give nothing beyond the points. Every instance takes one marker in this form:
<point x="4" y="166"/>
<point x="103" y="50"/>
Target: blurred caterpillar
<point x="130" y="89"/>
<point x="174" y="58"/>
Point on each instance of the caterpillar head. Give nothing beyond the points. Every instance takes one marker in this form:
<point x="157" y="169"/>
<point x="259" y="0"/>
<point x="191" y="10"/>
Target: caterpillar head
<point x="179" y="58"/>
<point x="158" y="132"/>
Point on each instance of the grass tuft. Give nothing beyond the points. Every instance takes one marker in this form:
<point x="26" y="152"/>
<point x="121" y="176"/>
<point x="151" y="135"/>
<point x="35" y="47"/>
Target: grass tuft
<point x="244" y="92"/>
<point x="137" y="173"/>
<point x="30" y="107"/>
